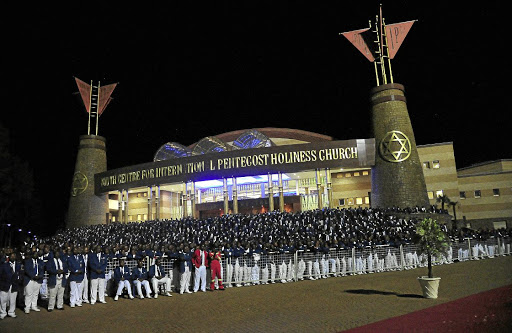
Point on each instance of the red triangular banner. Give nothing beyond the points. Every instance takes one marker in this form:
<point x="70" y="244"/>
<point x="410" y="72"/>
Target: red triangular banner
<point x="395" y="35"/>
<point x="357" y="39"/>
<point x="104" y="97"/>
<point x="85" y="92"/>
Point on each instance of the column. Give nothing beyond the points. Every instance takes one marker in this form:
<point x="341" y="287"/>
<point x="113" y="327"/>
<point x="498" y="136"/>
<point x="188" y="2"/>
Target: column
<point x="328" y="181"/>
<point x="226" y="196"/>
<point x="319" y="188"/>
<point x="184" y="203"/>
<point x="270" y="194"/>
<point x="281" y="193"/>
<point x="235" y="197"/>
<point x="126" y="219"/>
<point x="150" y="203"/>
<point x="193" y="198"/>
<point x="157" y="199"/>
<point x="120" y="206"/>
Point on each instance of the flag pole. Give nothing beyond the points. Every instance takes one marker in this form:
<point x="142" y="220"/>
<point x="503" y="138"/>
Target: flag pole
<point x="387" y="50"/>
<point x="97" y="108"/>
<point x="89" y="111"/>
<point x="374" y="61"/>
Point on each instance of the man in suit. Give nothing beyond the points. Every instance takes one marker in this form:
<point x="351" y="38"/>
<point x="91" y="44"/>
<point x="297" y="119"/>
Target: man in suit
<point x="57" y="269"/>
<point x="122" y="278"/>
<point x="34" y="271"/>
<point x="157" y="276"/>
<point x="10" y="280"/>
<point x="85" y="283"/>
<point x="76" y="269"/>
<point x="185" y="259"/>
<point x="140" y="278"/>
<point x="97" y="268"/>
<point x="200" y="261"/>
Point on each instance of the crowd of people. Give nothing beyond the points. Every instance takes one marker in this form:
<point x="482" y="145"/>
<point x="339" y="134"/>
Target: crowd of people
<point x="75" y="260"/>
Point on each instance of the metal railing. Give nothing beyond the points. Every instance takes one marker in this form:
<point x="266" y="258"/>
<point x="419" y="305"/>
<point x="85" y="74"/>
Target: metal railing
<point x="294" y="266"/>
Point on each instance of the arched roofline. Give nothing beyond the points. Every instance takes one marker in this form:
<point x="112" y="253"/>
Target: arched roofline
<point x="275" y="132"/>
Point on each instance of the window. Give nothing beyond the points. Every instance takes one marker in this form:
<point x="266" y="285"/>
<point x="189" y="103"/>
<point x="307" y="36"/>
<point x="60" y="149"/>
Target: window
<point x="478" y="193"/>
<point x="496" y="192"/>
<point x="365" y="173"/>
<point x="462" y="194"/>
<point x="356" y="174"/>
<point x="439" y="193"/>
<point x="359" y="201"/>
<point x="426" y="165"/>
<point x="500" y="225"/>
<point x="367" y="200"/>
<point x="435" y="164"/>
<point x="430" y="195"/>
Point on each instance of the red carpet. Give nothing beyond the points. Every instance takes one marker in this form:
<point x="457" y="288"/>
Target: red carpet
<point x="490" y="311"/>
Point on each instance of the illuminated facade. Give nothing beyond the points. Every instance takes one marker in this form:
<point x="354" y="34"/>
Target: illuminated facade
<point x="311" y="188"/>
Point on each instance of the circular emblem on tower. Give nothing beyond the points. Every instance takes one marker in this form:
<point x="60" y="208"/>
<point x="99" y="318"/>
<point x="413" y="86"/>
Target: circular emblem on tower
<point x="80" y="183"/>
<point x="395" y="147"/>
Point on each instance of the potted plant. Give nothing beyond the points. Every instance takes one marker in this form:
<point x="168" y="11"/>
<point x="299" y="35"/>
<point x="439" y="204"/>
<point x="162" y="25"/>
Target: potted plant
<point x="432" y="241"/>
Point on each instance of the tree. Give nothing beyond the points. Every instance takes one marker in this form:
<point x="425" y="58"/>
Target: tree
<point x="17" y="203"/>
<point x="444" y="200"/>
<point x="431" y="239"/>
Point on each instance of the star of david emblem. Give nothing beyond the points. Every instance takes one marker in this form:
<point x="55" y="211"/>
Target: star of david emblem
<point x="395" y="147"/>
<point x="80" y="183"/>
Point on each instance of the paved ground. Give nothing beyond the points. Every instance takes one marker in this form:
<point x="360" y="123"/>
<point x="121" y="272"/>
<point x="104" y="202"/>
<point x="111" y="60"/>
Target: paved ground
<point x="328" y="305"/>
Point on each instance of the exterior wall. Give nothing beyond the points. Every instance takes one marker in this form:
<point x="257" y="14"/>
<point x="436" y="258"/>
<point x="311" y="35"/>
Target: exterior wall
<point x="439" y="169"/>
<point x="351" y="188"/>
<point x="494" y="202"/>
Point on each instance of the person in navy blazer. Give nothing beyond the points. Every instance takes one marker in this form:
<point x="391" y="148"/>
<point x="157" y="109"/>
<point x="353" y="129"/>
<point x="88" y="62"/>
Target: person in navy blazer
<point x="11" y="278"/>
<point x="76" y="267"/>
<point x="157" y="276"/>
<point x="98" y="262"/>
<point x="57" y="268"/>
<point x="34" y="272"/>
<point x="185" y="259"/>
<point x="123" y="278"/>
<point x="140" y="278"/>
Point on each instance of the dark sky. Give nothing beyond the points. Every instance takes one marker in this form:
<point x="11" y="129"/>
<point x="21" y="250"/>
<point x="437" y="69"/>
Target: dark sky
<point x="189" y="72"/>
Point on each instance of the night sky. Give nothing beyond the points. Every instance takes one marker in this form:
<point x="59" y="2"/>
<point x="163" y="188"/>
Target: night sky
<point x="189" y="72"/>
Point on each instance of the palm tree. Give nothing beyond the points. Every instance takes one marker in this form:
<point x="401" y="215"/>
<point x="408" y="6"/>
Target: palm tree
<point x="443" y="199"/>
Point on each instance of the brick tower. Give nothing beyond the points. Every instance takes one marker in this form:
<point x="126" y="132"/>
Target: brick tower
<point x="86" y="208"/>
<point x="397" y="176"/>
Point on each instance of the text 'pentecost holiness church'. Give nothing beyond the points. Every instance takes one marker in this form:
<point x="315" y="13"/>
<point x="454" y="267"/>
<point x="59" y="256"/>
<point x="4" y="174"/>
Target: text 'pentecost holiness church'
<point x="265" y="169"/>
<point x="257" y="170"/>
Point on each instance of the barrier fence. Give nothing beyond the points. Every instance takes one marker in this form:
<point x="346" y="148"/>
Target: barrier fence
<point x="294" y="266"/>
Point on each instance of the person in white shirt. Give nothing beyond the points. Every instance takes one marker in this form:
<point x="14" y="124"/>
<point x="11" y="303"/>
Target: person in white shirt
<point x="140" y="278"/>
<point x="157" y="276"/>
<point x="57" y="270"/>
<point x="123" y="276"/>
<point x="10" y="282"/>
<point x="199" y="260"/>
<point x="97" y="268"/>
<point x="85" y="282"/>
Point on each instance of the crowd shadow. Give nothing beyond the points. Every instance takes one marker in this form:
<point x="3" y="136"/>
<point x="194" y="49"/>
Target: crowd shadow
<point x="380" y="292"/>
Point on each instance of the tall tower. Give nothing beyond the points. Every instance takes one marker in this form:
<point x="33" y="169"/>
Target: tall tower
<point x="86" y="208"/>
<point x="397" y="176"/>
